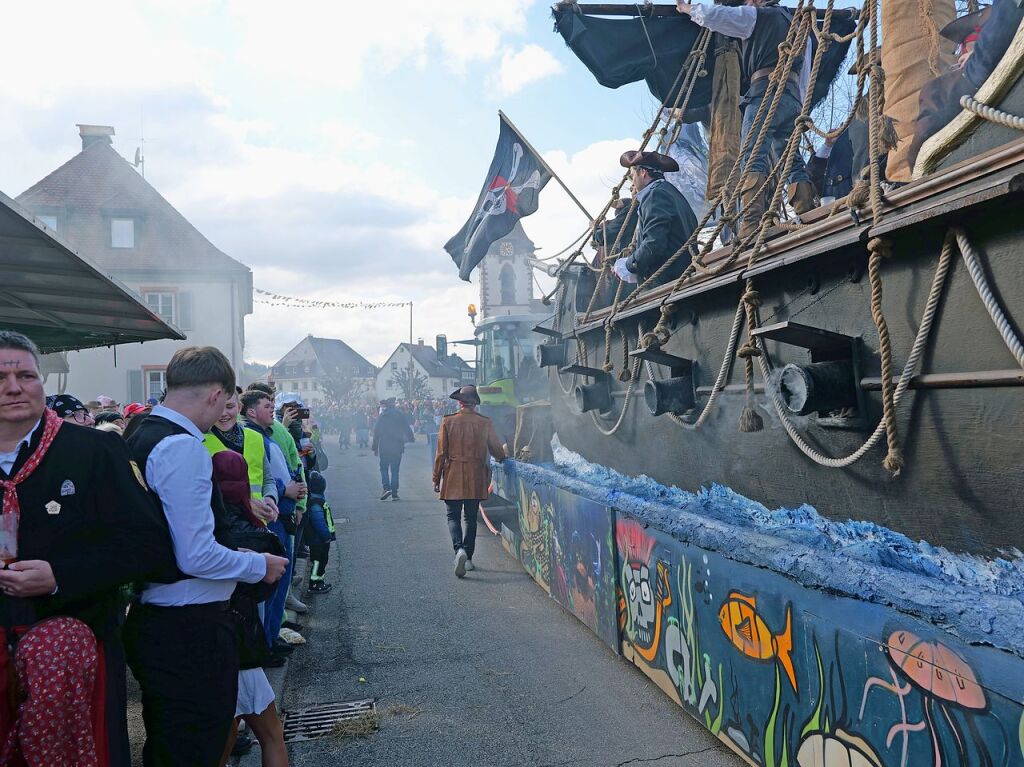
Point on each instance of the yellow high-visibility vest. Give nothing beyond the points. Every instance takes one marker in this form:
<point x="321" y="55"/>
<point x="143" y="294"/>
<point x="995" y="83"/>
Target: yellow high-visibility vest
<point x="253" y="451"/>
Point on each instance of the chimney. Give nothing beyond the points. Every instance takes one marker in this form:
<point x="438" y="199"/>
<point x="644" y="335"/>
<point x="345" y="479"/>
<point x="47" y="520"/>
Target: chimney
<point x="419" y="342"/>
<point x="92" y="134"/>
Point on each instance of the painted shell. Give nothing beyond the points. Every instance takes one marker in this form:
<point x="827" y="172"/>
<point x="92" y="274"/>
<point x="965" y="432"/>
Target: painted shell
<point x="935" y="669"/>
<point x="838" y="749"/>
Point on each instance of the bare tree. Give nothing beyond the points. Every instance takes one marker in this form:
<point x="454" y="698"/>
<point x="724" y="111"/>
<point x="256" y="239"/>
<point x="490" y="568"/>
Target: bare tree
<point x="345" y="386"/>
<point x="410" y="382"/>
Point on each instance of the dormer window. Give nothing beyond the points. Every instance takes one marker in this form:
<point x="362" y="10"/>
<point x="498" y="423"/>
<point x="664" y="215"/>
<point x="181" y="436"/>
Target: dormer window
<point x="122" y="233"/>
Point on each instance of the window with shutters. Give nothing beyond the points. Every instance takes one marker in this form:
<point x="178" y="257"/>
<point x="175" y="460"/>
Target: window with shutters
<point x="162" y="304"/>
<point x="156" y="382"/>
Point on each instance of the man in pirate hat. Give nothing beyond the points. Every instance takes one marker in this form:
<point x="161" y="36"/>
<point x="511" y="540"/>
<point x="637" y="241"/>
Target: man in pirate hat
<point x="462" y="472"/>
<point x="761" y="26"/>
<point x="665" y="220"/>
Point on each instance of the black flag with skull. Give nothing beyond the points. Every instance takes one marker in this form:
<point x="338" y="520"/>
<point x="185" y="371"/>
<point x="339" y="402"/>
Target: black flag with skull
<point x="511" y="192"/>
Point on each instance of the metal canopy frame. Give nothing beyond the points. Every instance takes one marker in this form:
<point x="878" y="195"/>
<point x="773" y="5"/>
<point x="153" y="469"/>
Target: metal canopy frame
<point x="60" y="299"/>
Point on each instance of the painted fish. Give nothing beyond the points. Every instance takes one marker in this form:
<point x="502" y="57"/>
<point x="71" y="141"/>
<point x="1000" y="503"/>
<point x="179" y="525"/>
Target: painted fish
<point x="747" y="630"/>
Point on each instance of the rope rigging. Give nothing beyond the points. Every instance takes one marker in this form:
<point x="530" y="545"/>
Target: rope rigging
<point x="868" y="194"/>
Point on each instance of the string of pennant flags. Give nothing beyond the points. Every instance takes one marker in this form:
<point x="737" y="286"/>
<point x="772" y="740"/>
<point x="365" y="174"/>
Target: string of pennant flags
<point x="277" y="299"/>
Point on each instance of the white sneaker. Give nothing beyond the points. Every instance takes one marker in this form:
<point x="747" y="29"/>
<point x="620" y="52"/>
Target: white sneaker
<point x="470" y="565"/>
<point x="460" y="563"/>
<point x="294" y="604"/>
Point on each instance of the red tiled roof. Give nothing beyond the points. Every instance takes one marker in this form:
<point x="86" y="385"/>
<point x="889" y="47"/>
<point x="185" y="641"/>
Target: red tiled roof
<point x="97" y="184"/>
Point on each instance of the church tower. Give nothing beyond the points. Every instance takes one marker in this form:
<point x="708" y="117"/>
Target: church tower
<point x="506" y="284"/>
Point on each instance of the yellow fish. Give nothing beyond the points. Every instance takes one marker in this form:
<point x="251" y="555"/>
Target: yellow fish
<point x="747" y="630"/>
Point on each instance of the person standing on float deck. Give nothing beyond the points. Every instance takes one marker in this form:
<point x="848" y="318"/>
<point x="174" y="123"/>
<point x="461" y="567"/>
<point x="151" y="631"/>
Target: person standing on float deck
<point x="462" y="474"/>
<point x="761" y="26"/>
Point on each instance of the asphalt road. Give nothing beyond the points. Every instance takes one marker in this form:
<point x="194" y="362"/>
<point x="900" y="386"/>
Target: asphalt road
<point x="487" y="671"/>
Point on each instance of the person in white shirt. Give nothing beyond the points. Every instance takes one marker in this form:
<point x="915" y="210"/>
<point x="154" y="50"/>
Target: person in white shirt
<point x="181" y="640"/>
<point x="761" y="25"/>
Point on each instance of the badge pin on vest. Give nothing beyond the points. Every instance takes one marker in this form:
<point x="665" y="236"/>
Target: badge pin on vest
<point x="52" y="507"/>
<point x="67" y="487"/>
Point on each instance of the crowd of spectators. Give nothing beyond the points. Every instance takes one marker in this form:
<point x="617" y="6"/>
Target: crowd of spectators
<point x="354" y="423"/>
<point x="253" y="458"/>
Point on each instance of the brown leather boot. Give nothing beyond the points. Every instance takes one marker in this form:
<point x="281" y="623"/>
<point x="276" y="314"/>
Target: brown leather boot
<point x="801" y="197"/>
<point x="753" y="203"/>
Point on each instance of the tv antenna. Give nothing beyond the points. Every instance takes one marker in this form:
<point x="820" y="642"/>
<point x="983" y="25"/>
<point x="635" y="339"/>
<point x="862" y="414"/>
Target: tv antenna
<point x="140" y="151"/>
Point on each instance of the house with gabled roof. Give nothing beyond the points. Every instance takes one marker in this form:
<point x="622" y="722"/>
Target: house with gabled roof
<point x="102" y="206"/>
<point x="439" y="373"/>
<point x="323" y="368"/>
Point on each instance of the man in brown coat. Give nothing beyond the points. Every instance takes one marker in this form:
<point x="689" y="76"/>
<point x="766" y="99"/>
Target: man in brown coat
<point x="462" y="473"/>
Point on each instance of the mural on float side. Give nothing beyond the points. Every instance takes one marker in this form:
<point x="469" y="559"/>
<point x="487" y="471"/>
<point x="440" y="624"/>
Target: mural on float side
<point x="785" y="675"/>
<point x="583" y="563"/>
<point x="536" y="509"/>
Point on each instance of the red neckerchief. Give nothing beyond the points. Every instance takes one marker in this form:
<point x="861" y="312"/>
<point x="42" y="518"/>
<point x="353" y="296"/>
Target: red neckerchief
<point x="51" y="425"/>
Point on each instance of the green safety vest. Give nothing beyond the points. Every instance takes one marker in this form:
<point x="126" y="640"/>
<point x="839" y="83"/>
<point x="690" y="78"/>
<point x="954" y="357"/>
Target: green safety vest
<point x="254" y="452"/>
<point x="328" y="517"/>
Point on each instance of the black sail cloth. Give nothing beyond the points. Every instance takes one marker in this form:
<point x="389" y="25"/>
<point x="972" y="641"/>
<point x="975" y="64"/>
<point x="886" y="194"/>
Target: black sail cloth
<point x="621" y="51"/>
<point x="511" y="192"/>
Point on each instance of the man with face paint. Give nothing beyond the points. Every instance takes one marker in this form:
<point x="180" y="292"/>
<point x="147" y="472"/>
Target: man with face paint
<point x="77" y="523"/>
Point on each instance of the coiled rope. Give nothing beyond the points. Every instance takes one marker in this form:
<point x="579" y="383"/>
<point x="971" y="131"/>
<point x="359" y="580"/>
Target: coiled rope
<point x="992" y="114"/>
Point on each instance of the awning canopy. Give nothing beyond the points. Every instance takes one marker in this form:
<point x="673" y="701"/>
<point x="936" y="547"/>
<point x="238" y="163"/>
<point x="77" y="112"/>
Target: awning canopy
<point x="58" y="298"/>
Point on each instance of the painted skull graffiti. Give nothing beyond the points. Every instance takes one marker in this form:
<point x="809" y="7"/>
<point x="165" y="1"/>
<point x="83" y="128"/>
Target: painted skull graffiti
<point x="644" y="596"/>
<point x="646" y="601"/>
<point x="641" y="602"/>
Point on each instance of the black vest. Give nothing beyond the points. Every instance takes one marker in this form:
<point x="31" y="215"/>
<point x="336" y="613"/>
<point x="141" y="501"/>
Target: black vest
<point x="761" y="49"/>
<point x="153" y="430"/>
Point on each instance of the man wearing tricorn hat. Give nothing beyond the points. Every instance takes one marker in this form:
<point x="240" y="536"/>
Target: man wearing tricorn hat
<point x="665" y="220"/>
<point x="761" y="26"/>
<point x="462" y="473"/>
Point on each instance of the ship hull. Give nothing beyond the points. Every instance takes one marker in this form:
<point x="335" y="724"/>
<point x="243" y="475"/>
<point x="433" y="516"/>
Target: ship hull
<point x="962" y="446"/>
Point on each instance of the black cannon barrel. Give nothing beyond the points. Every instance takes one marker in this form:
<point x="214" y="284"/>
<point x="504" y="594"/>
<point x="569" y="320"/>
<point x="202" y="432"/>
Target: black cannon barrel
<point x="820" y="386"/>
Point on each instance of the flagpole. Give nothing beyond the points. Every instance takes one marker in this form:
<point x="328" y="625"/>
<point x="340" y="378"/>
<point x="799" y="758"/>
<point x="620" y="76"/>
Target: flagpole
<point x="547" y="167"/>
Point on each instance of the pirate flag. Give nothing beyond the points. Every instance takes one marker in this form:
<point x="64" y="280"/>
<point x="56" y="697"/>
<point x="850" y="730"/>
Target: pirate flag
<point x="510" y="193"/>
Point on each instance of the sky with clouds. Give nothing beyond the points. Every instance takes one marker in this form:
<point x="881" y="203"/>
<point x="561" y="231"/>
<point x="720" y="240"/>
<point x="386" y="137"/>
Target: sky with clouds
<point x="332" y="147"/>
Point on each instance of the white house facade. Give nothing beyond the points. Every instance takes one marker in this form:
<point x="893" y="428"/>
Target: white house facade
<point x="101" y="205"/>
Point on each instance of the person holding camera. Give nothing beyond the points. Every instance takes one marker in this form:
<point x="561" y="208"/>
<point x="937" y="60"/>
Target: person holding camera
<point x="258" y="411"/>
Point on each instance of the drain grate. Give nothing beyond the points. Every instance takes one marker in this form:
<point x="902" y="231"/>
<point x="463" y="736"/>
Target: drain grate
<point x="319" y="721"/>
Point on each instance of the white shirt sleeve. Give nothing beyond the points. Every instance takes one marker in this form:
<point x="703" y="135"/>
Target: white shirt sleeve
<point x="805" y="70"/>
<point x="735" y="22"/>
<point x="179" y="471"/>
<point x="824" y="151"/>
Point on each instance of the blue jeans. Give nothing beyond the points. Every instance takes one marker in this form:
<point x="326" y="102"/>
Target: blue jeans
<point x="468" y="510"/>
<point x="389" y="465"/>
<point x="274" y="607"/>
<point x="776" y="136"/>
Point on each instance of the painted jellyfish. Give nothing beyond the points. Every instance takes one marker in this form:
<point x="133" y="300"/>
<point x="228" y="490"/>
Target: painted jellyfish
<point x="945" y="680"/>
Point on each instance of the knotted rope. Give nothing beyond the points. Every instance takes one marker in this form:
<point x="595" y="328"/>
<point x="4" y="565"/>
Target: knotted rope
<point x="880" y="249"/>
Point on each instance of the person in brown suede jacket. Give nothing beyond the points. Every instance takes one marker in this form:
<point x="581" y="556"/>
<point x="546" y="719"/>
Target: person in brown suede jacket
<point x="462" y="474"/>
